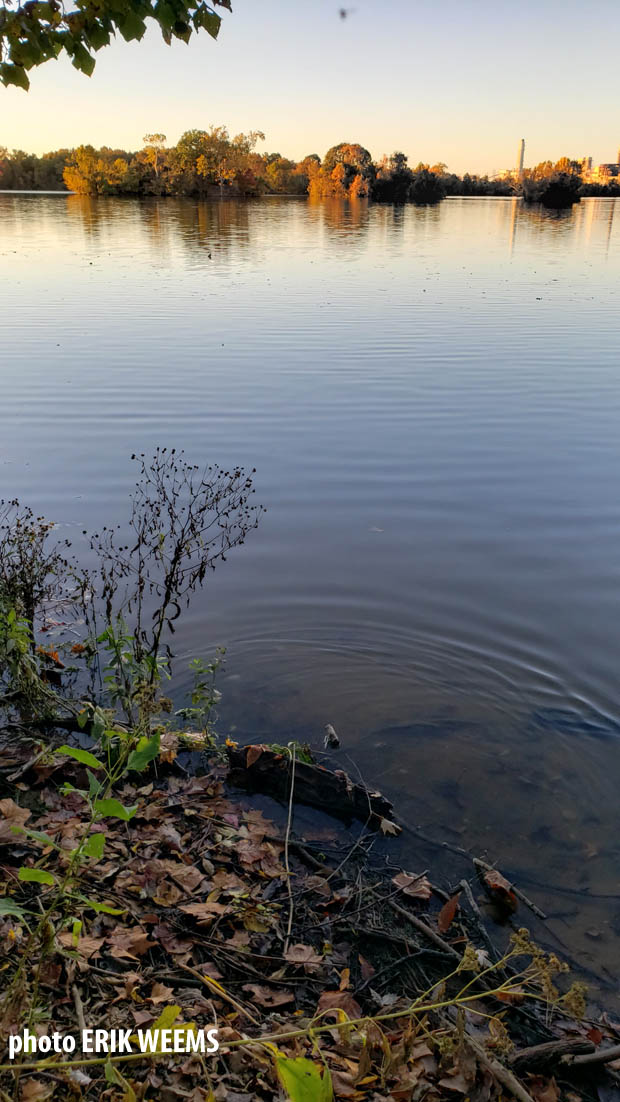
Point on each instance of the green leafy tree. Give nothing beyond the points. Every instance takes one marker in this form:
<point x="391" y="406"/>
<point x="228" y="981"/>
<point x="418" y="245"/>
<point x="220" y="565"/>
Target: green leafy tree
<point x="40" y="30"/>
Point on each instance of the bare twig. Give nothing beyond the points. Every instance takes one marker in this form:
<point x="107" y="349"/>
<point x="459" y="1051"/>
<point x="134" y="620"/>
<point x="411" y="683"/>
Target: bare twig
<point x="464" y="884"/>
<point x="287" y="838"/>
<point x="79" y="1008"/>
<point x="216" y="989"/>
<point x="601" y="1056"/>
<point x="500" y="1072"/>
<point x="423" y="928"/>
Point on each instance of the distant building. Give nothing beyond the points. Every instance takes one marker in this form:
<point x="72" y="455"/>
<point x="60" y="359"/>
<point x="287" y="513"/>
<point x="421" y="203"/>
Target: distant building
<point x="605" y="172"/>
<point x="520" y="159"/>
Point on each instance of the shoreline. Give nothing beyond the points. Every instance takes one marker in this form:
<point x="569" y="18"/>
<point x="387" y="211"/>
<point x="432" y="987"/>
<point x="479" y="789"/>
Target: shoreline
<point x="282" y="940"/>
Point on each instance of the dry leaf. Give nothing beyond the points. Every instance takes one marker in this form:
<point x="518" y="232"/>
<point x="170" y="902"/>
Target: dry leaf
<point x="265" y="996"/>
<point x="500" y="889"/>
<point x="87" y="947"/>
<point x="446" y="915"/>
<point x="302" y="954"/>
<point x="339" y="1000"/>
<point x="253" y="753"/>
<point x="386" y="826"/>
<point x="11" y="815"/>
<point x="160" y="994"/>
<point x="418" y="887"/>
<point x="34" y="1090"/>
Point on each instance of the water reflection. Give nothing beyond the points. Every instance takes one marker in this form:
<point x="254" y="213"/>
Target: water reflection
<point x="431" y="397"/>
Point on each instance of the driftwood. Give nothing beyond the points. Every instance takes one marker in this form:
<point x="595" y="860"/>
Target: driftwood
<point x="262" y="769"/>
<point x="541" y="1057"/>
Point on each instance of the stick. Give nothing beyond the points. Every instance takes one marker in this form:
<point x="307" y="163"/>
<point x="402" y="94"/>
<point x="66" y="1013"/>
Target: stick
<point x="551" y="1052"/>
<point x="500" y="1072"/>
<point x="464" y="884"/>
<point x="601" y="1056"/>
<point x="216" y="989"/>
<point x="424" y="929"/>
<point x="79" y="1009"/>
<point x="287" y="838"/>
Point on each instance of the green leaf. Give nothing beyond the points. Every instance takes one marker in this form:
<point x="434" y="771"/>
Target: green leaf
<point x="115" y="809"/>
<point x="103" y="908"/>
<point x="36" y="835"/>
<point x="82" y="718"/>
<point x="94" y="846"/>
<point x="164" y="15"/>
<point x="303" y="1081"/>
<point x="82" y="60"/>
<point x="209" y="20"/>
<point x="131" y="26"/>
<point x="167" y="1018"/>
<point x="83" y="756"/>
<point x="35" y="876"/>
<point x="9" y="907"/>
<point x="145" y="751"/>
<point x="113" y="1075"/>
<point x="98" y="36"/>
<point x="94" y="786"/>
<point x="14" y="74"/>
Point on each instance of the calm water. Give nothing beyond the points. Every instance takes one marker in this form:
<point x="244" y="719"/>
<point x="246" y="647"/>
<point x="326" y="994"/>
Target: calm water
<point x="432" y="400"/>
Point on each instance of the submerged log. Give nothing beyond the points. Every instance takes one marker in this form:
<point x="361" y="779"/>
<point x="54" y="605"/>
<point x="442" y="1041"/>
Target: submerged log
<point x="262" y="769"/>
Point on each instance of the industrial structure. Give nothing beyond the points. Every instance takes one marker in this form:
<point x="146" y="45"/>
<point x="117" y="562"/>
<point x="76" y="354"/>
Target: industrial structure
<point x="592" y="174"/>
<point x="520" y="159"/>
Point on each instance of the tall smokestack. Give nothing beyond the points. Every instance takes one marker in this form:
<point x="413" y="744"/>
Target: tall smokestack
<point x="520" y="158"/>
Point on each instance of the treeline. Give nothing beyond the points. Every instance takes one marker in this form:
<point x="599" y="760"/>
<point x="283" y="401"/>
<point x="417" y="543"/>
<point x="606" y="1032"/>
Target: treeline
<point x="211" y="162"/>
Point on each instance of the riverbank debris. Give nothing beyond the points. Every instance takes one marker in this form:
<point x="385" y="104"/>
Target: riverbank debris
<point x="385" y="990"/>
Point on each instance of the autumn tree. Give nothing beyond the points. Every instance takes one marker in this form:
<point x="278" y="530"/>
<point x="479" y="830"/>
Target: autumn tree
<point x="33" y="32"/>
<point x="154" y="150"/>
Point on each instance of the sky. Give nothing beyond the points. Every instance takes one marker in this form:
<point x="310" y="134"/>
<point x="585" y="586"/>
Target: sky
<point x="453" y="81"/>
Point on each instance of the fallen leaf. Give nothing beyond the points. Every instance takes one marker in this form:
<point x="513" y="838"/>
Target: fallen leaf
<point x="455" y="1083"/>
<point x="302" y="954"/>
<point x="340" y="1000"/>
<point x="386" y="826"/>
<point x="500" y="889"/>
<point x="34" y="1090"/>
<point x="87" y="947"/>
<point x="318" y="885"/>
<point x="253" y="753"/>
<point x="446" y="915"/>
<point x="128" y="944"/>
<point x="366" y="968"/>
<point x="265" y="996"/>
<point x="11" y="815"/>
<point x="543" y="1090"/>
<point x="418" y="887"/>
<point x="206" y="911"/>
<point x="160" y="994"/>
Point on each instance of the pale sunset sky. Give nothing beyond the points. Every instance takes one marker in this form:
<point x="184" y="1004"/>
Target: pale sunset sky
<point x="453" y="81"/>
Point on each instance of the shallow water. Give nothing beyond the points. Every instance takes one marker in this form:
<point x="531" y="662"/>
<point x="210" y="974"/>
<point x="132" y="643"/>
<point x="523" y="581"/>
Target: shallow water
<point x="431" y="398"/>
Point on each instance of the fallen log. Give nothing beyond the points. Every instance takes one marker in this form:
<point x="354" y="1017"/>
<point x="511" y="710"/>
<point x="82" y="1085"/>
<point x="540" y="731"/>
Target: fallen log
<point x="541" y="1057"/>
<point x="263" y="769"/>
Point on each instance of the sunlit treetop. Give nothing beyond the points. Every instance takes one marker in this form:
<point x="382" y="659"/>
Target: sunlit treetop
<point x="39" y="30"/>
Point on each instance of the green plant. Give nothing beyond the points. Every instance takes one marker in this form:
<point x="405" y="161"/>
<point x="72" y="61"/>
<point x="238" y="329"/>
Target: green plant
<point x="204" y="695"/>
<point x="129" y="681"/>
<point x="121" y="752"/>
